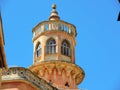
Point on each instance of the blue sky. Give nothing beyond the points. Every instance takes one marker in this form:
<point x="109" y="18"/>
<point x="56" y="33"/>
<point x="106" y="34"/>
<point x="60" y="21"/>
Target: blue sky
<point x="98" y="39"/>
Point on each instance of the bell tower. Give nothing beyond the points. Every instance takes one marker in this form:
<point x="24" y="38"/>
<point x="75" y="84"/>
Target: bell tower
<point x="54" y="53"/>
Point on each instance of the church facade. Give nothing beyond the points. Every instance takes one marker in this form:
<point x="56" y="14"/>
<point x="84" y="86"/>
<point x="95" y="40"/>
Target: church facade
<point x="54" y="65"/>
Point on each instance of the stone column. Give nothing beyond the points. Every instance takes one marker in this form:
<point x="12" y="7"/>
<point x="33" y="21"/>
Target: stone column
<point x="72" y="53"/>
<point x="43" y="48"/>
<point x="59" y="47"/>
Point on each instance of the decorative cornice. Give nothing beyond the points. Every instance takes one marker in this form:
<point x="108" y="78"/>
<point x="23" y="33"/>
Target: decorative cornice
<point x="77" y="72"/>
<point x="65" y="34"/>
<point x="20" y="73"/>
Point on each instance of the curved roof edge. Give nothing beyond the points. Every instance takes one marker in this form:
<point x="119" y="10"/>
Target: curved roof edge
<point x="25" y="74"/>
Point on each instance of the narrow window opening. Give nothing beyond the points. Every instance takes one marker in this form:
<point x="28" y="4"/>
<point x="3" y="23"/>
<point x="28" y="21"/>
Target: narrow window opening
<point x="65" y="49"/>
<point x="38" y="50"/>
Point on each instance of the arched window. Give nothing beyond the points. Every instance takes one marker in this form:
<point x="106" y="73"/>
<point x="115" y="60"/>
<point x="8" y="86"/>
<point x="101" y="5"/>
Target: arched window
<point x="65" y="49"/>
<point x="38" y="50"/>
<point x="51" y="46"/>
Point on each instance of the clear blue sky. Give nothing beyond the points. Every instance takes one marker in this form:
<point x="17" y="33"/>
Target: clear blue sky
<point x="98" y="39"/>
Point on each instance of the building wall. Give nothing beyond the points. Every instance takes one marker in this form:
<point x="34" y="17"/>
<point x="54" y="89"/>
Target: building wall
<point x="17" y="86"/>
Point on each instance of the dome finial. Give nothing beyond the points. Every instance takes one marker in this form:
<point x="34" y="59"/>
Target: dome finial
<point x="54" y="6"/>
<point x="54" y="13"/>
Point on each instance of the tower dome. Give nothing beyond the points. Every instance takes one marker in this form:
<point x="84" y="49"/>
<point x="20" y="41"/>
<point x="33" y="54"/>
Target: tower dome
<point x="54" y="13"/>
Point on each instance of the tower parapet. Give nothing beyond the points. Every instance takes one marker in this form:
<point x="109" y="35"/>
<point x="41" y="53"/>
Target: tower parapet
<point x="54" y="53"/>
<point x="54" y="25"/>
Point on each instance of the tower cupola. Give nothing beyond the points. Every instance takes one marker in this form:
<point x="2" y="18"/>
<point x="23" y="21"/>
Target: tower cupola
<point x="54" y="39"/>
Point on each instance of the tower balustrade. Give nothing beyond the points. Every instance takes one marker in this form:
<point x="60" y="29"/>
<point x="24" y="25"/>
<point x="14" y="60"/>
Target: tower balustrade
<point x="54" y="25"/>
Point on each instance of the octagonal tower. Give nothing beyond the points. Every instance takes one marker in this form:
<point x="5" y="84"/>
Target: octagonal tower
<point x="54" y="53"/>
